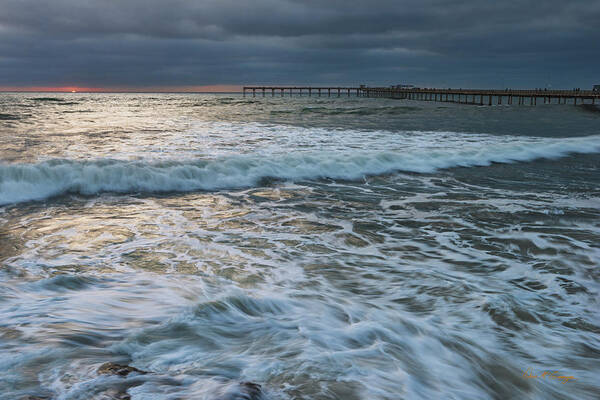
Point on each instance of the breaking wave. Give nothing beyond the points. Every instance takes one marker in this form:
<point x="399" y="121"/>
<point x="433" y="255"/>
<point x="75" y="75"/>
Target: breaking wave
<point x="24" y="182"/>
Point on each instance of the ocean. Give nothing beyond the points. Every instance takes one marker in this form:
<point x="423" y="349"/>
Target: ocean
<point x="322" y="248"/>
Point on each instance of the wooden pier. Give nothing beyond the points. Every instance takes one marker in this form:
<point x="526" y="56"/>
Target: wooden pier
<point x="464" y="96"/>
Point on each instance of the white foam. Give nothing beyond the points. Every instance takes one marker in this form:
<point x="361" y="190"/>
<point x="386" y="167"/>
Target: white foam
<point x="35" y="181"/>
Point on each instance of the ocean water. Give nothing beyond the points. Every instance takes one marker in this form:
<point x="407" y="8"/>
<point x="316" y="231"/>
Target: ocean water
<point x="323" y="248"/>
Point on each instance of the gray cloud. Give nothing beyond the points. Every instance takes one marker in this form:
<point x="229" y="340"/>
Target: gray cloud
<point x="184" y="42"/>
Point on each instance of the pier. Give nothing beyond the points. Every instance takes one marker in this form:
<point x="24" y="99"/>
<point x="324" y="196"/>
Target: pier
<point x="304" y="90"/>
<point x="463" y="96"/>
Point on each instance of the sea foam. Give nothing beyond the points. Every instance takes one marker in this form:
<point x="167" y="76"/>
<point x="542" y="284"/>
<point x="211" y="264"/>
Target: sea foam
<point x="36" y="181"/>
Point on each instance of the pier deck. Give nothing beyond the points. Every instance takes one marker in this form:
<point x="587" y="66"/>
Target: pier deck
<point x="463" y="96"/>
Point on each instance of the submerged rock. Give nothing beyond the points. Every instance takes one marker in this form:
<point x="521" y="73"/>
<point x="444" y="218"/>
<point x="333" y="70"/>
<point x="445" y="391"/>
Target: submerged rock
<point x="236" y="391"/>
<point x="116" y="395"/>
<point x="243" y="391"/>
<point x="119" y="392"/>
<point x="111" y="368"/>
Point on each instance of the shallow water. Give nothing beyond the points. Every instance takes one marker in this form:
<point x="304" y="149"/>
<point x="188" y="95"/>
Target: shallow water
<point x="324" y="248"/>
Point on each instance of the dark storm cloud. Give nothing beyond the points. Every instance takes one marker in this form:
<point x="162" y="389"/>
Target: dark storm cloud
<point x="184" y="42"/>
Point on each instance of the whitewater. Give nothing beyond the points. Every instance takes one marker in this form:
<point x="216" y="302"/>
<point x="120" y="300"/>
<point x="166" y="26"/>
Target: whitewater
<point x="23" y="182"/>
<point x="211" y="246"/>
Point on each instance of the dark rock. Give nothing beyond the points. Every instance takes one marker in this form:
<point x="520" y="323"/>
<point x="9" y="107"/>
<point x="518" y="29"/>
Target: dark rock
<point x="115" y="394"/>
<point x="243" y="391"/>
<point x="235" y="391"/>
<point x="111" y="368"/>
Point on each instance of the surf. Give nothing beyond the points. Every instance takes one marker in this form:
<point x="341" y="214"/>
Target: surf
<point x="38" y="181"/>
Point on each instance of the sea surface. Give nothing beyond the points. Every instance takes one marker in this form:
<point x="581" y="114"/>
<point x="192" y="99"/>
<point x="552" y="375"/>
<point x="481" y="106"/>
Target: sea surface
<point x="323" y="248"/>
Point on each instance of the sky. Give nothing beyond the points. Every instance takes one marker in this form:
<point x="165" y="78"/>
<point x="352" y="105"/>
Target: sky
<point x="195" y="45"/>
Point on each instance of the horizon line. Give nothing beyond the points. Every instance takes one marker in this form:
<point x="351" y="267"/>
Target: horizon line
<point x="124" y="89"/>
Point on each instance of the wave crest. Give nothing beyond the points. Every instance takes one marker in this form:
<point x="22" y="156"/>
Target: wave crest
<point x="24" y="182"/>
